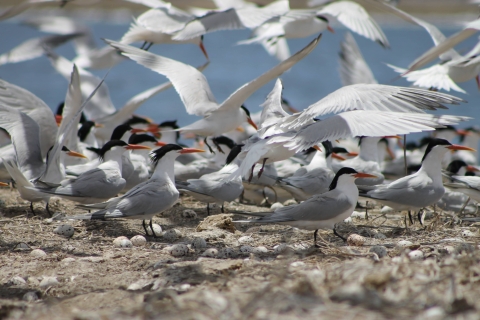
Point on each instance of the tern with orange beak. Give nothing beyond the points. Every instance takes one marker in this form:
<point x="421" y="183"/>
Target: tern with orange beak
<point x="418" y="190"/>
<point x="148" y="198"/>
<point x="321" y="211"/>
<point x="193" y="89"/>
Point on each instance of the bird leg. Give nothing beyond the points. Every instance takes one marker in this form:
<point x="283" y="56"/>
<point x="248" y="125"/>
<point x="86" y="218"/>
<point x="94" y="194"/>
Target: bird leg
<point x="31" y="208"/>
<point x="478" y="81"/>
<point x="223" y="209"/>
<point x="148" y="47"/>
<point x="209" y="148"/>
<point x="315" y="239"/>
<point x="336" y="233"/>
<point x="464" y="206"/>
<point x="421" y="216"/>
<point x="251" y="174"/>
<point x="366" y="210"/>
<point x="410" y="217"/>
<point x="143" y="45"/>
<point x="48" y="210"/>
<point x="144" y="227"/>
<point x="218" y="146"/>
<point x="151" y="227"/>
<point x="261" y="170"/>
<point x="208" y="209"/>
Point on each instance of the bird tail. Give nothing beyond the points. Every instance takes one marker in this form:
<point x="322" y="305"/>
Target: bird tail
<point x="133" y="34"/>
<point x="99" y="215"/>
<point x="16" y="174"/>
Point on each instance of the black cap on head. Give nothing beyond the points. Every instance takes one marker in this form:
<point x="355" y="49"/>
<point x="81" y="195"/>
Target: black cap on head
<point x="85" y="130"/>
<point x="246" y="110"/>
<point x="119" y="131"/>
<point x="169" y="123"/>
<point x="225" y="141"/>
<point x="136" y="120"/>
<point x="434" y="143"/>
<point x="339" y="150"/>
<point x="328" y="148"/>
<point x="344" y="170"/>
<point x="234" y="153"/>
<point x="60" y="107"/>
<point x="159" y="153"/>
<point x="411" y="145"/>
<point x="456" y="165"/>
<point x="323" y="18"/>
<point x="109" y="145"/>
<point x="140" y="138"/>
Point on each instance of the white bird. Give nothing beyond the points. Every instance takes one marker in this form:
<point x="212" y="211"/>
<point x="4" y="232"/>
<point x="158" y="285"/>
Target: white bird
<point x="469" y="137"/>
<point x="149" y="198"/>
<point x="196" y="95"/>
<point x="303" y="23"/>
<point x="99" y="184"/>
<point x="418" y="190"/>
<point x="321" y="211"/>
<point x="468" y="185"/>
<point x="214" y="187"/>
<point x="25" y="5"/>
<point x="455" y="200"/>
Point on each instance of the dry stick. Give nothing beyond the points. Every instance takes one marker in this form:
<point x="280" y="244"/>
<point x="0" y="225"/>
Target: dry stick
<point x="463" y="207"/>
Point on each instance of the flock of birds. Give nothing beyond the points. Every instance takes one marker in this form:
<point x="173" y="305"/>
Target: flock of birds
<point x="344" y="146"/>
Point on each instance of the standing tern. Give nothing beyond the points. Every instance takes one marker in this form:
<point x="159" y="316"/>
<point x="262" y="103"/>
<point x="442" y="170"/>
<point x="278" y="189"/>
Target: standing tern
<point x="196" y="95"/>
<point x="418" y="190"/>
<point x="148" y="198"/>
<point x="322" y="211"/>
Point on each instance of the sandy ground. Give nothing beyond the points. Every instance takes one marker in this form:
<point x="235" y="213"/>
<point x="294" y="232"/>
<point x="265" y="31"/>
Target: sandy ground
<point x="244" y="274"/>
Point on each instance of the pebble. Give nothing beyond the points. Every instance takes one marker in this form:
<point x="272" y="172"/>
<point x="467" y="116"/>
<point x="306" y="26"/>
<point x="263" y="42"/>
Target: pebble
<point x="22" y="246"/>
<point x="64" y="230"/>
<point x="211" y="253"/>
<point x="189" y="214"/>
<point x="280" y="248"/>
<point x="380" y="251"/>
<point x="17" y="281"/>
<point x="38" y="253"/>
<point x="122" y="242"/>
<point x="467" y="233"/>
<point x="348" y="220"/>
<point x="290" y="202"/>
<point x="227" y="253"/>
<point x="246" y="249"/>
<point x="386" y="209"/>
<point x="49" y="282"/>
<point x="199" y="243"/>
<point x="404" y="244"/>
<point x="30" y="296"/>
<point x="141" y="284"/>
<point x="172" y="235"/>
<point x="297" y="264"/>
<point x="355" y="240"/>
<point x="245" y="239"/>
<point x="464" y="247"/>
<point x="156" y="228"/>
<point x="68" y="260"/>
<point x="138" y="241"/>
<point x="178" y="250"/>
<point x="358" y="215"/>
<point x="380" y="236"/>
<point x="415" y="255"/>
<point x="260" y="249"/>
<point x="276" y="205"/>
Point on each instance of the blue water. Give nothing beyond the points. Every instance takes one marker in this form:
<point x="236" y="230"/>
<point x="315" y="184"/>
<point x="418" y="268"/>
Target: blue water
<point x="231" y="66"/>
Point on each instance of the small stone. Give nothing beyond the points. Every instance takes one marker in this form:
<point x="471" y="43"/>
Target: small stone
<point x="122" y="242"/>
<point x="246" y="249"/>
<point x="22" y="246"/>
<point x="381" y="251"/>
<point x="156" y="228"/>
<point x="464" y="248"/>
<point x="386" y="209"/>
<point x="290" y="202"/>
<point x="380" y="236"/>
<point x="355" y="240"/>
<point x="260" y="249"/>
<point x="189" y="214"/>
<point x="49" y="282"/>
<point x="211" y="253"/>
<point x="141" y="284"/>
<point x="199" y="243"/>
<point x="178" y="250"/>
<point x="404" y="244"/>
<point x="415" y="255"/>
<point x="358" y="215"/>
<point x="280" y="248"/>
<point x="245" y="239"/>
<point x="276" y="205"/>
<point x="138" y="241"/>
<point x="68" y="260"/>
<point x="38" y="253"/>
<point x="172" y="235"/>
<point x="450" y="249"/>
<point x="467" y="233"/>
<point x="64" y="230"/>
<point x="30" y="296"/>
<point x="348" y="220"/>
<point x="227" y="253"/>
<point x="297" y="264"/>
<point x="16" y="281"/>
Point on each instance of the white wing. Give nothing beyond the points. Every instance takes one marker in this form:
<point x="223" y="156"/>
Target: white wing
<point x="272" y="111"/>
<point x="375" y="97"/>
<point x="165" y="20"/>
<point x="25" y="5"/>
<point x="190" y="84"/>
<point x="434" y="77"/>
<point x="151" y="3"/>
<point x="364" y="123"/>
<point x="236" y="99"/>
<point x="353" y="68"/>
<point x="354" y="17"/>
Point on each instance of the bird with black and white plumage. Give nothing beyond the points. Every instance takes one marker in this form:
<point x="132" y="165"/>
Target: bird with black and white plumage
<point x="322" y="211"/>
<point x="148" y="198"/>
<point x="213" y="187"/>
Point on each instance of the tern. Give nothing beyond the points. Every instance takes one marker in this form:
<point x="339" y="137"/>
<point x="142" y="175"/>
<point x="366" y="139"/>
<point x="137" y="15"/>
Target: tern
<point x="101" y="183"/>
<point x="418" y="190"/>
<point x="196" y="95"/>
<point x="148" y="198"/>
<point x="321" y="211"/>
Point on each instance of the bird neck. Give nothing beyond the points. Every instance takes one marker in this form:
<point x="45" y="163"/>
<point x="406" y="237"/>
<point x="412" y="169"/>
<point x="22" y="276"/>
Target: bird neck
<point x="432" y="165"/>
<point x="164" y="170"/>
<point x="319" y="161"/>
<point x="348" y="187"/>
<point x="369" y="149"/>
<point x="113" y="159"/>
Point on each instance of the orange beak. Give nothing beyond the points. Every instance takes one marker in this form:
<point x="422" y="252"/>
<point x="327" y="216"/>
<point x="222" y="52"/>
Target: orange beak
<point x="459" y="147"/>
<point x="250" y="121"/>
<point x="137" y="147"/>
<point x="464" y="132"/>
<point x="338" y="157"/>
<point x="189" y="135"/>
<point x="352" y="154"/>
<point x="393" y="137"/>
<point x="58" y="119"/>
<point x="364" y="175"/>
<point x="472" y="169"/>
<point x="76" y="154"/>
<point x="203" y="50"/>
<point x="99" y="125"/>
<point x="160" y="143"/>
<point x="330" y="29"/>
<point x="3" y="184"/>
<point x="317" y="148"/>
<point x="390" y="153"/>
<point x="190" y="150"/>
<point x="136" y="130"/>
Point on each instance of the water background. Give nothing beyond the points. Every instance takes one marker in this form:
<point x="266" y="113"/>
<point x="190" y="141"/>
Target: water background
<point x="231" y="66"/>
